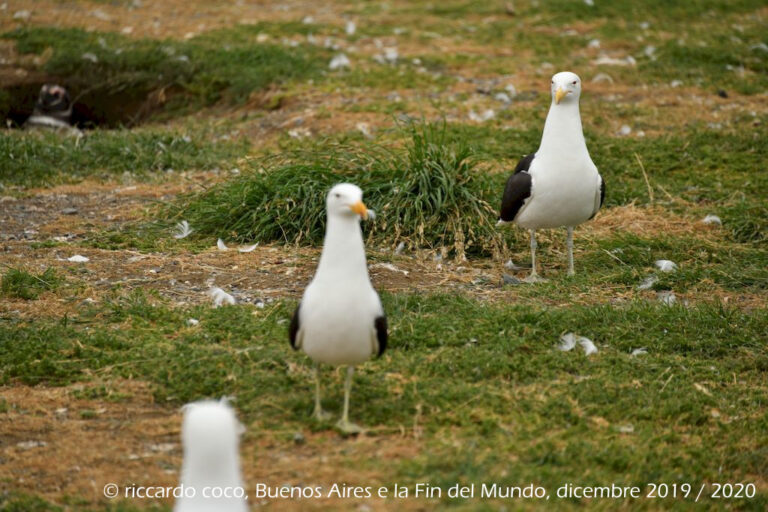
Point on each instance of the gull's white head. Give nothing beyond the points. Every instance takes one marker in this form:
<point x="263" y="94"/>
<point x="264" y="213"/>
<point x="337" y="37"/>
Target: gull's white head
<point x="346" y="200"/>
<point x="566" y="88"/>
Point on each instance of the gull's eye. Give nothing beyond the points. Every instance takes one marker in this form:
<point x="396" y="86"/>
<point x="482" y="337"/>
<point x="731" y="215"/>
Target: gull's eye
<point x="337" y="195"/>
<point x="575" y="82"/>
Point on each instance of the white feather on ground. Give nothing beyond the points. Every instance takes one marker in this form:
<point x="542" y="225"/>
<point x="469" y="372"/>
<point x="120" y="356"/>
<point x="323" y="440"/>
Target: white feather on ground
<point x="221" y="245"/>
<point x="249" y="248"/>
<point x="648" y="283"/>
<point x="210" y="435"/>
<point x="192" y="322"/>
<point x="587" y="345"/>
<point x="712" y="219"/>
<point x="568" y="342"/>
<point x="338" y="62"/>
<point x="78" y="259"/>
<point x="182" y="230"/>
<point x="389" y="266"/>
<point x="638" y="352"/>
<point x="486" y="115"/>
<point x="220" y="297"/>
<point x="667" y="298"/>
<point x="666" y="265"/>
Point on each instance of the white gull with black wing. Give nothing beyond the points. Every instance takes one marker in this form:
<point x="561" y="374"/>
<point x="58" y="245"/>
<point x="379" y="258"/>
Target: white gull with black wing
<point x="559" y="185"/>
<point x="340" y="320"/>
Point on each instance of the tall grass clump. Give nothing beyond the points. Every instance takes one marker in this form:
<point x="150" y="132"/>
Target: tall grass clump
<point x="427" y="193"/>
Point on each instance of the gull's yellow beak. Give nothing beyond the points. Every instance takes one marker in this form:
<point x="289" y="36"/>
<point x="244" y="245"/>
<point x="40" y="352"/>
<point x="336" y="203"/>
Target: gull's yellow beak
<point x="559" y="95"/>
<point x="360" y="209"/>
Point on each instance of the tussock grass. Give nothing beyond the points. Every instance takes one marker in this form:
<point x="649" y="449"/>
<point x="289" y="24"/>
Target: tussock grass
<point x="430" y="193"/>
<point x="20" y="284"/>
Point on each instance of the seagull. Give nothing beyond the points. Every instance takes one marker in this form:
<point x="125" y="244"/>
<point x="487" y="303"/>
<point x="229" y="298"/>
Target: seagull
<point x="210" y="472"/>
<point x="340" y="320"/>
<point x="558" y="185"/>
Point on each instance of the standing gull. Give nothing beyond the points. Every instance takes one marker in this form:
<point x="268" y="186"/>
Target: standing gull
<point x="210" y="471"/>
<point x="558" y="186"/>
<point x="340" y="320"/>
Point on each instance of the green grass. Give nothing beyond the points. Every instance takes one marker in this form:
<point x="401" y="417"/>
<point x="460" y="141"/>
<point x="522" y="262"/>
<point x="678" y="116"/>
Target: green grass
<point x="20" y="284"/>
<point x="428" y="194"/>
<point x="45" y="158"/>
<point x="487" y="379"/>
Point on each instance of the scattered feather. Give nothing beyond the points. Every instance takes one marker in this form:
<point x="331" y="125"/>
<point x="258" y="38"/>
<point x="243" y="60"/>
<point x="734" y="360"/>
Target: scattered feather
<point x="675" y="83"/>
<point x="220" y="297"/>
<point x="390" y="267"/>
<point x="299" y="133"/>
<point x="567" y="342"/>
<point x="594" y="43"/>
<point x="340" y="61"/>
<point x="350" y="28"/>
<point x="605" y="60"/>
<point x="90" y="57"/>
<point x="481" y="118"/>
<point x="625" y="130"/>
<point x="648" y="283"/>
<point x="193" y="321"/>
<point x="508" y="279"/>
<point x="626" y="429"/>
<point x="365" y="129"/>
<point x="667" y="298"/>
<point x="712" y="219"/>
<point x="400" y="247"/>
<point x="638" y="352"/>
<point x="78" y="259"/>
<point x="371" y="215"/>
<point x="249" y="248"/>
<point x="390" y="55"/>
<point x="666" y="265"/>
<point x="182" y="230"/>
<point x="221" y="245"/>
<point x="502" y="96"/>
<point x="602" y="77"/>
<point x="511" y="265"/>
<point x="588" y="346"/>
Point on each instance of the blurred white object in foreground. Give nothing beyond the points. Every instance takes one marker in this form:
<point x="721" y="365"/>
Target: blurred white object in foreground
<point x="210" y="472"/>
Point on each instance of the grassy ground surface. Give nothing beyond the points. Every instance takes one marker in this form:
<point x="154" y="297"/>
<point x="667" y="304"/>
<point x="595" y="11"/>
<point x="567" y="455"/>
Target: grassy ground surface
<point x="227" y="115"/>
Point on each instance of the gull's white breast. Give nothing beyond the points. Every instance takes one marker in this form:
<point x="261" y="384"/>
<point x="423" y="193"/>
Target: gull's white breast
<point x="562" y="192"/>
<point x="337" y="322"/>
